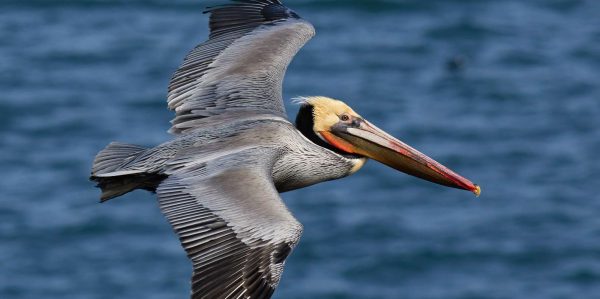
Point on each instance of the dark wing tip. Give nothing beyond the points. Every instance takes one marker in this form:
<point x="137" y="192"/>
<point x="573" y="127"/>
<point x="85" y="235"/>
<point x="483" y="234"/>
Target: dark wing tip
<point x="281" y="253"/>
<point x="240" y="15"/>
<point x="276" y="12"/>
<point x="252" y="10"/>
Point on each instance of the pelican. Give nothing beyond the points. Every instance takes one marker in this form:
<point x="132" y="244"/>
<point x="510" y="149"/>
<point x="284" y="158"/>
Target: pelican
<point x="218" y="181"/>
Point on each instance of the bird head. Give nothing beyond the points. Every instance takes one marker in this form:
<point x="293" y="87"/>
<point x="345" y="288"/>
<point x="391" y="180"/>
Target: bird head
<point x="334" y="125"/>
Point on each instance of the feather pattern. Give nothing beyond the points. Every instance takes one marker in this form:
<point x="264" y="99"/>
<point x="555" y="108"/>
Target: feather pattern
<point x="232" y="224"/>
<point x="218" y="187"/>
<point x="242" y="65"/>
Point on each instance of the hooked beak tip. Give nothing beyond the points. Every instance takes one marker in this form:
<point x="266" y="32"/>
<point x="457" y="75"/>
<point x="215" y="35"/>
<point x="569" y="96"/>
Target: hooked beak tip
<point x="477" y="191"/>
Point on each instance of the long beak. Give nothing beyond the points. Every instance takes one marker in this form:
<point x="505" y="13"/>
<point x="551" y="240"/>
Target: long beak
<point x="365" y="139"/>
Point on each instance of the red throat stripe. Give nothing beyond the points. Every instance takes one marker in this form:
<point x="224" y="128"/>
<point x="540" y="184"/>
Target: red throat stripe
<point x="338" y="142"/>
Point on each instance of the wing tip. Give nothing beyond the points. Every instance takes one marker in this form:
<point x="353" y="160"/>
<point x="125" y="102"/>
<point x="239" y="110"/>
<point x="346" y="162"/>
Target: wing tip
<point x="270" y="10"/>
<point x="274" y="12"/>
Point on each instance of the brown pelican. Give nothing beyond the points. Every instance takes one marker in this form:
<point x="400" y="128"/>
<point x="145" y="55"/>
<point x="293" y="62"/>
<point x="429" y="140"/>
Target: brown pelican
<point x="218" y="181"/>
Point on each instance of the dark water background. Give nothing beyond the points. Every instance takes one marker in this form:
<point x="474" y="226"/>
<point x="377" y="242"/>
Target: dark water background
<point x="521" y="118"/>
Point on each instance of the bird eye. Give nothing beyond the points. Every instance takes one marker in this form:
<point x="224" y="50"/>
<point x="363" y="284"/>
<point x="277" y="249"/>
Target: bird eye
<point x="345" y="117"/>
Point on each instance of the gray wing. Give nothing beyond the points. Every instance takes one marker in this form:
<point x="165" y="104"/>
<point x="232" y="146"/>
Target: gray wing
<point x="232" y="224"/>
<point x="242" y="65"/>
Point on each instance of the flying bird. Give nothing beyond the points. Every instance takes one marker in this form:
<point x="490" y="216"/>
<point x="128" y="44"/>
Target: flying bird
<point x="218" y="181"/>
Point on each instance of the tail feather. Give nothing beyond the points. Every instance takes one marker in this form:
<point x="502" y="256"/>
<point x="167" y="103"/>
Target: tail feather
<point x="114" y="156"/>
<point x="111" y="173"/>
<point x="119" y="185"/>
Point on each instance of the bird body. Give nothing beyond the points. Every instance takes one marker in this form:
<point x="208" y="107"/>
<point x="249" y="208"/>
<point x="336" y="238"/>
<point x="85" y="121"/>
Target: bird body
<point x="297" y="162"/>
<point x="218" y="181"/>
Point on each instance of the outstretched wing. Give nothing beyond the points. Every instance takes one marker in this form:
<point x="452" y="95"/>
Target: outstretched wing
<point x="242" y="65"/>
<point x="233" y="226"/>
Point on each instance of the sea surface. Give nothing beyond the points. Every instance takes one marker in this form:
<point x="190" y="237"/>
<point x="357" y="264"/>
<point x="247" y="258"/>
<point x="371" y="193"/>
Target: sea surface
<point x="507" y="93"/>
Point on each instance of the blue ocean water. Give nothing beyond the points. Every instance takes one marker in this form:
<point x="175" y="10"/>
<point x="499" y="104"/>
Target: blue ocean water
<point x="504" y="92"/>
